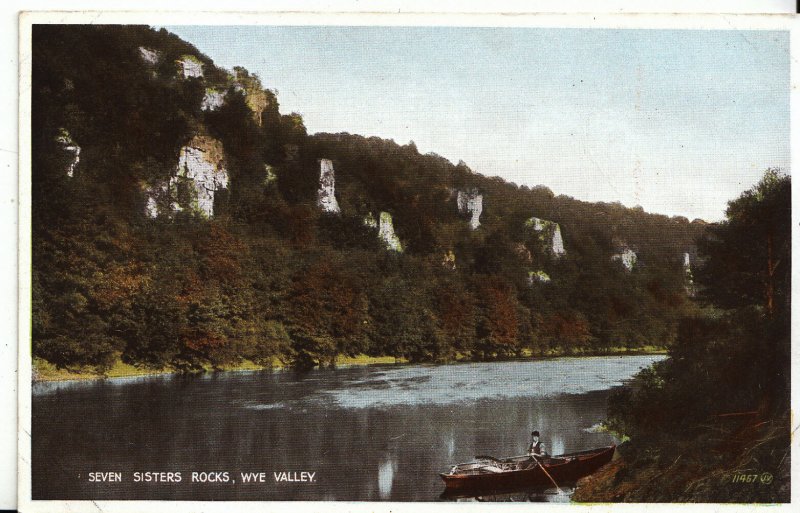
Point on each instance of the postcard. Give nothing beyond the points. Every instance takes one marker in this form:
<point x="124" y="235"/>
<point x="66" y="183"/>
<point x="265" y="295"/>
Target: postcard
<point x="357" y="262"/>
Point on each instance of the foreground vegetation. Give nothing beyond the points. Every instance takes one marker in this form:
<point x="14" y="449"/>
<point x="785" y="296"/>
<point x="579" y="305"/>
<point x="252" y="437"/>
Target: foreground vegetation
<point x="712" y="422"/>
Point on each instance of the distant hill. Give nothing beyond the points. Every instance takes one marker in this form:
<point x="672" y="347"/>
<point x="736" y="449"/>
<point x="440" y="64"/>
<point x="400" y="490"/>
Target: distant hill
<point x="181" y="219"/>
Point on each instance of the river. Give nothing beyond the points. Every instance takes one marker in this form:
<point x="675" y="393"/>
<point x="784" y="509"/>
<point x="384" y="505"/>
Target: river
<point x="367" y="433"/>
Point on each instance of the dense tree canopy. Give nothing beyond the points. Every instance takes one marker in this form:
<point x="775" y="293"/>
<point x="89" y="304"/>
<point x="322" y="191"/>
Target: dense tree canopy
<point x="749" y="254"/>
<point x="726" y="386"/>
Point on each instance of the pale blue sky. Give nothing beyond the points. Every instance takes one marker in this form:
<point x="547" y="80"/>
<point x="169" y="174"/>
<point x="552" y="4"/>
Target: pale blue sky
<point x="676" y="121"/>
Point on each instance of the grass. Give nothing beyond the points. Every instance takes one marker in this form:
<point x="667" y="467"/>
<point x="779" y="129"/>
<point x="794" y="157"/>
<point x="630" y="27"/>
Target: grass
<point x="363" y="359"/>
<point x="46" y="371"/>
<point x="559" y="351"/>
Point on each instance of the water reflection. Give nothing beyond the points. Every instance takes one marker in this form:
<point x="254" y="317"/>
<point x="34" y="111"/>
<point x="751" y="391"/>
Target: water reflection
<point x="362" y="442"/>
<point x="450" y="443"/>
<point x="386" y="477"/>
<point x="556" y="444"/>
<point x="562" y="494"/>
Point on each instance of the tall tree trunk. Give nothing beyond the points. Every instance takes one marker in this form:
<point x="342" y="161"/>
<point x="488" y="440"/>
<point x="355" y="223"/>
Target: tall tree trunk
<point x="770" y="292"/>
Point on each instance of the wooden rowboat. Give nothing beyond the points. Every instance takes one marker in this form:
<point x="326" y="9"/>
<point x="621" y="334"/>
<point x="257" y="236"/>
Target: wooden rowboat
<point x="487" y="474"/>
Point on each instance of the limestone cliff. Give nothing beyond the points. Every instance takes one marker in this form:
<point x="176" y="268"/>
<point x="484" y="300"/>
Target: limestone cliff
<point x="190" y="66"/>
<point x="198" y="176"/>
<point x="386" y="233"/>
<point x="326" y="195"/>
<point x="213" y="99"/>
<point x="202" y="162"/>
<point x="149" y="56"/>
<point x="471" y="202"/>
<point x="549" y="233"/>
<point x="627" y="257"/>
<point x="687" y="269"/>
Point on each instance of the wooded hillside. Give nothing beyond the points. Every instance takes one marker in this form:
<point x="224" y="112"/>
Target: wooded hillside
<point x="179" y="220"/>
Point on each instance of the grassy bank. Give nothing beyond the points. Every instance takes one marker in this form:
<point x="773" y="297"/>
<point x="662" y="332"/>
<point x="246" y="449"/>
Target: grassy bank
<point x="616" y="350"/>
<point x="46" y="371"/>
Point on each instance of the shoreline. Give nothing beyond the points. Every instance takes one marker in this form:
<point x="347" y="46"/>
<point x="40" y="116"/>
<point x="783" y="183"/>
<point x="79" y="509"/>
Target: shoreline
<point x="44" y="371"/>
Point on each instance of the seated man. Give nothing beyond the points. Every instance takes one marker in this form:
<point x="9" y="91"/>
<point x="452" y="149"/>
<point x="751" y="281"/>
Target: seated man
<point x="536" y="447"/>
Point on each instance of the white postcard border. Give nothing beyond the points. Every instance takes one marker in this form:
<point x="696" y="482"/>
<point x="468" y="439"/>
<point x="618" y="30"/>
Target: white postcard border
<point x="624" y="21"/>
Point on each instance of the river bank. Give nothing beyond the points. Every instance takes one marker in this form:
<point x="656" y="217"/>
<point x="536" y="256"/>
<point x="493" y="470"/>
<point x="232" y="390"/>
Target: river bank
<point x="739" y="459"/>
<point x="46" y="371"/>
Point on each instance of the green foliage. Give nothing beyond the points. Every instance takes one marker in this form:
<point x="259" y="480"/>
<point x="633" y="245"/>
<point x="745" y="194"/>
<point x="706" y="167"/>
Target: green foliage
<point x="328" y="313"/>
<point x="403" y="324"/>
<point x="749" y="254"/>
<point x="726" y="384"/>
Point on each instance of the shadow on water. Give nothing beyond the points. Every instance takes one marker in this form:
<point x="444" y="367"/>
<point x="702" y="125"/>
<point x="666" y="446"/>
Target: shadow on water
<point x="367" y="434"/>
<point x="564" y="494"/>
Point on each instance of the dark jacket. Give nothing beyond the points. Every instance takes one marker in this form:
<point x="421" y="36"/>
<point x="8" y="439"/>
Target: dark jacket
<point x="536" y="448"/>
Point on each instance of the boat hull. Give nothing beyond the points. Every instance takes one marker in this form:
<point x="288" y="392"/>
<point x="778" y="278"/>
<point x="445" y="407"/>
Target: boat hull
<point x="563" y="469"/>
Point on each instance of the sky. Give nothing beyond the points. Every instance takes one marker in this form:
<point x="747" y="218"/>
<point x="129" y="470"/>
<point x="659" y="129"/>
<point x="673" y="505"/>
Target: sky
<point x="678" y="122"/>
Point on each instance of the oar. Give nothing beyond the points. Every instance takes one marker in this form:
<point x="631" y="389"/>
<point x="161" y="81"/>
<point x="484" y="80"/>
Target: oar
<point x="547" y="474"/>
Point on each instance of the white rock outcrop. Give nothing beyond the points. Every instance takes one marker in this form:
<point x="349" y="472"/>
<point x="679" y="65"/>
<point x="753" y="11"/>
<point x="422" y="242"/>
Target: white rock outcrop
<point x="162" y="199"/>
<point x="201" y="162"/>
<point x="691" y="291"/>
<point x="558" y="242"/>
<point x="548" y="233"/>
<point x="197" y="178"/>
<point x="191" y="66"/>
<point x="151" y="208"/>
<point x="213" y="99"/>
<point x="326" y="195"/>
<point x="149" y="56"/>
<point x="386" y="233"/>
<point x="471" y="202"/>
<point x="627" y="257"/>
<point x="70" y="147"/>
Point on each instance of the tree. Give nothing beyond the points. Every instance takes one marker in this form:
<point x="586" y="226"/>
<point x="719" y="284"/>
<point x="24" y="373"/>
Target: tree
<point x="498" y="323"/>
<point x="748" y="256"/>
<point x="402" y="322"/>
<point x="328" y="314"/>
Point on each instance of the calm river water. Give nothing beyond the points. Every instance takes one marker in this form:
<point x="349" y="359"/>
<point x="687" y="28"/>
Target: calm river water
<point x="366" y="433"/>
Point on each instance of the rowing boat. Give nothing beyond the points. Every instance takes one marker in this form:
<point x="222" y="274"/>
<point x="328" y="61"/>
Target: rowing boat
<point x="491" y="474"/>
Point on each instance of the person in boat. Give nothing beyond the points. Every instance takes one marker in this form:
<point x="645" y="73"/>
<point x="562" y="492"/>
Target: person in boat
<point x="536" y="447"/>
